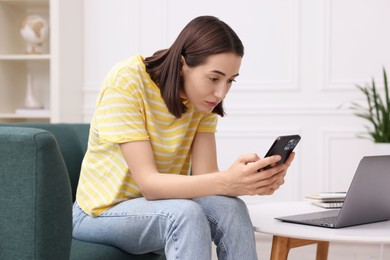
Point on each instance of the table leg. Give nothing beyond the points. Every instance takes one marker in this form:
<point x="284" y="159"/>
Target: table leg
<point x="322" y="250"/>
<point x="281" y="247"/>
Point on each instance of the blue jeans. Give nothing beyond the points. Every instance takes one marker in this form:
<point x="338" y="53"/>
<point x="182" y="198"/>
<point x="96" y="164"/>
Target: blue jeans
<point x="182" y="228"/>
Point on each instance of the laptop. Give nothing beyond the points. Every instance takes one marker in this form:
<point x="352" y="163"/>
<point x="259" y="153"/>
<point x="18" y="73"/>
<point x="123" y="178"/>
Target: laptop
<point x="367" y="199"/>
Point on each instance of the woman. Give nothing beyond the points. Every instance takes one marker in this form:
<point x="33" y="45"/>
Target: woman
<point x="149" y="180"/>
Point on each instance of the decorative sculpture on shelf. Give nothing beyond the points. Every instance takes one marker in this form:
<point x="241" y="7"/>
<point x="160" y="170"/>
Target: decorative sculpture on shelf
<point x="34" y="30"/>
<point x="30" y="102"/>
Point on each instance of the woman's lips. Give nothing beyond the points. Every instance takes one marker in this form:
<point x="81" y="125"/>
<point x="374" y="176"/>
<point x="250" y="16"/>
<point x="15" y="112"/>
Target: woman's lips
<point x="211" y="104"/>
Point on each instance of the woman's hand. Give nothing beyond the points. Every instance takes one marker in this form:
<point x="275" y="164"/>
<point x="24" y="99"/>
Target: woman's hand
<point x="243" y="178"/>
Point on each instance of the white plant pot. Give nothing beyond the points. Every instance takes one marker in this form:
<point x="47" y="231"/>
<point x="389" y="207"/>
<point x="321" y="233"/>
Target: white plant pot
<point x="381" y="149"/>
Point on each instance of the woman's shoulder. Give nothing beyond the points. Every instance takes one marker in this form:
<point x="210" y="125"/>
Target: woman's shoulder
<point x="134" y="64"/>
<point x="128" y="71"/>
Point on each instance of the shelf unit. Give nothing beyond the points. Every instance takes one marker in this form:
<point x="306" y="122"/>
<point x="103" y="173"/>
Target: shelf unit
<point x="56" y="73"/>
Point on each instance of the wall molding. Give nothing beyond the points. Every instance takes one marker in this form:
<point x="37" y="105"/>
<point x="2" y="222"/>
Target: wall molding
<point x="327" y="136"/>
<point x="291" y="84"/>
<point x="329" y="83"/>
<point x="257" y="132"/>
<point x="289" y="109"/>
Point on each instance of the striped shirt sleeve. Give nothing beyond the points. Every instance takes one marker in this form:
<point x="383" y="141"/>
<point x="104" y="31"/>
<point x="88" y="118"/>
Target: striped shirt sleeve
<point x="208" y="123"/>
<point x="119" y="116"/>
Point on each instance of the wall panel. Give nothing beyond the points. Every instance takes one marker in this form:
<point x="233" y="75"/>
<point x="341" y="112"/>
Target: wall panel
<point x="354" y="49"/>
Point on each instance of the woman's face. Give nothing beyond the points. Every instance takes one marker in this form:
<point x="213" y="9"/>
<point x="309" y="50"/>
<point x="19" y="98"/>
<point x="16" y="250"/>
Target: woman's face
<point x="206" y="85"/>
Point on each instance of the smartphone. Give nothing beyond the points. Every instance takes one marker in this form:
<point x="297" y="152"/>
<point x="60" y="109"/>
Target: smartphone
<point x="283" y="146"/>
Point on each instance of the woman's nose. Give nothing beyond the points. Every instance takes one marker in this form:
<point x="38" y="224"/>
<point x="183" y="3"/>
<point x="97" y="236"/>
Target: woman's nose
<point x="221" y="91"/>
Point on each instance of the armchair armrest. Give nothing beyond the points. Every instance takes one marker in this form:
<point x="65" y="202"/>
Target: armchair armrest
<point x="35" y="196"/>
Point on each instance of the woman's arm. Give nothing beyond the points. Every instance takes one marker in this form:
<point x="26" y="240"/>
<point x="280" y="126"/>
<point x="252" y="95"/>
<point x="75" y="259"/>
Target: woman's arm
<point x="204" y="154"/>
<point x="204" y="160"/>
<point x="155" y="185"/>
<point x="241" y="178"/>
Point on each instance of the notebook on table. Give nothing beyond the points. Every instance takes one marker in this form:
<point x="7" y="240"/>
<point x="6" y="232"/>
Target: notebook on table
<point x="329" y="204"/>
<point x="367" y="199"/>
<point x="327" y="200"/>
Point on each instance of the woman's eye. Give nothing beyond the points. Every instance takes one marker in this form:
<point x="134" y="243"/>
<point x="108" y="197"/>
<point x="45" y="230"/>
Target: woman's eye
<point x="231" y="80"/>
<point x="213" y="79"/>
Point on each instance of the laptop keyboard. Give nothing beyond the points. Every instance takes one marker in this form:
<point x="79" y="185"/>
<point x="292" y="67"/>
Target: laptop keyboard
<point x="327" y="221"/>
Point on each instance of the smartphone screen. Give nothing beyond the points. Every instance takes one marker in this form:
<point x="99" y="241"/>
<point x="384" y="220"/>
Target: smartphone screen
<point x="283" y="146"/>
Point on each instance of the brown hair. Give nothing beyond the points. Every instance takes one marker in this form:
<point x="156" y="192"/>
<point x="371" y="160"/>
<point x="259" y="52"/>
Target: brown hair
<point x="202" y="37"/>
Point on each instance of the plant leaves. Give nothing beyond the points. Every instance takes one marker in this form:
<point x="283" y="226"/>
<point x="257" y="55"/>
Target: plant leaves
<point x="377" y="112"/>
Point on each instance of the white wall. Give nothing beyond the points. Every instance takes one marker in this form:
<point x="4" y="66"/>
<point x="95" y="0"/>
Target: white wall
<point x="302" y="61"/>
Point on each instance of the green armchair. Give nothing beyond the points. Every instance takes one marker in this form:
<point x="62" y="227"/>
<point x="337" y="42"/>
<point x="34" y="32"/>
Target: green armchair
<point x="39" y="170"/>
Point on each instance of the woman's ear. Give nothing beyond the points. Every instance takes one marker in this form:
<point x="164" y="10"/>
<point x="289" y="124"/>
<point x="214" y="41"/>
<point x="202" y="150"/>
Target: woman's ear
<point x="182" y="64"/>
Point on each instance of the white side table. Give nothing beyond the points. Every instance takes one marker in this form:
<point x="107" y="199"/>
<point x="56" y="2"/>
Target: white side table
<point x="288" y="235"/>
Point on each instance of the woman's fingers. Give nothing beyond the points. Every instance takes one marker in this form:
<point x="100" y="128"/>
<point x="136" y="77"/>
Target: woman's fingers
<point x="246" y="180"/>
<point x="248" y="158"/>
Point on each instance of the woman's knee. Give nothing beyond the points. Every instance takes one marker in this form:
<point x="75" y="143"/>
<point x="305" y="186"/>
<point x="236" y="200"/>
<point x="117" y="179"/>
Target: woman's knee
<point x="188" y="210"/>
<point x="222" y="204"/>
<point x="236" y="205"/>
<point x="189" y="219"/>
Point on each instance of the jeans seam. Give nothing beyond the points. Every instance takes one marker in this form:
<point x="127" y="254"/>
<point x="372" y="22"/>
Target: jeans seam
<point x="218" y="231"/>
<point x="124" y="214"/>
<point x="169" y="217"/>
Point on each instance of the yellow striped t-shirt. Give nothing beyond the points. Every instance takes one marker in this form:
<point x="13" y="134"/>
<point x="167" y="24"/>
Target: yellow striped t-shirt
<point x="130" y="108"/>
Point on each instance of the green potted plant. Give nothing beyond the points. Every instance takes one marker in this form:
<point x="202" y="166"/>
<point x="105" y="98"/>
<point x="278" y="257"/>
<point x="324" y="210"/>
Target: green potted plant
<point x="376" y="112"/>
